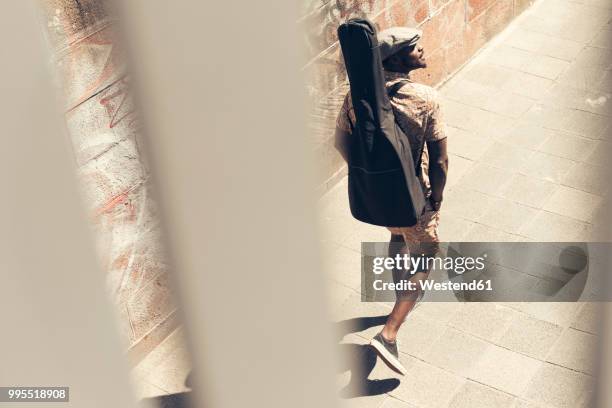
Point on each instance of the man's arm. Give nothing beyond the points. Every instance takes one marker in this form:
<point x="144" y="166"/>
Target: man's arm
<point x="341" y="142"/>
<point x="438" y="169"/>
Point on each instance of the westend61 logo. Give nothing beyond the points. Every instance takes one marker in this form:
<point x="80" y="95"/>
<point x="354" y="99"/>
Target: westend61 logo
<point x="414" y="264"/>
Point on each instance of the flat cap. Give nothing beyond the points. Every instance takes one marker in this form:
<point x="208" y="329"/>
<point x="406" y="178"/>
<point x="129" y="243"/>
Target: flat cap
<point x="394" y="39"/>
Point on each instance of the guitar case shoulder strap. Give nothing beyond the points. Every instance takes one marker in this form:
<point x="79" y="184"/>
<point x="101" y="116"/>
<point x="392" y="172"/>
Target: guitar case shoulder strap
<point x="392" y="91"/>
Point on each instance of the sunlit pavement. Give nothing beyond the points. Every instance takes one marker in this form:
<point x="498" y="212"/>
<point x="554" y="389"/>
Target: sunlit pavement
<point x="528" y="126"/>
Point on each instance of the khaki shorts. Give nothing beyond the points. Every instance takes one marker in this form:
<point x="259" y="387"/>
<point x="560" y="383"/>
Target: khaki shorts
<point x="424" y="232"/>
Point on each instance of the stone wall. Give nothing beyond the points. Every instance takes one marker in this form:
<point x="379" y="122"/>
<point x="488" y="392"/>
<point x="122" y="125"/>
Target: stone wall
<point x="453" y="31"/>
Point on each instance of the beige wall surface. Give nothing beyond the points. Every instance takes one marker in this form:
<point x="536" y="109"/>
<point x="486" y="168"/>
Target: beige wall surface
<point x="223" y="97"/>
<point x="58" y="326"/>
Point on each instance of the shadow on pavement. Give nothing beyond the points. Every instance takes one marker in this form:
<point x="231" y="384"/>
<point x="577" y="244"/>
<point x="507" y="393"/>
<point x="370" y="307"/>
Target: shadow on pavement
<point x="178" y="400"/>
<point x="360" y="360"/>
<point x="357" y="358"/>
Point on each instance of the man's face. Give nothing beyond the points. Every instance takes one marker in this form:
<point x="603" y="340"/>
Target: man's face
<point x="416" y="56"/>
<point x="408" y="59"/>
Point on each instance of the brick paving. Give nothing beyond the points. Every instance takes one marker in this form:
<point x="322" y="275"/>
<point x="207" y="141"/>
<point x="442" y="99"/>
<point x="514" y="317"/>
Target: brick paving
<point x="529" y="136"/>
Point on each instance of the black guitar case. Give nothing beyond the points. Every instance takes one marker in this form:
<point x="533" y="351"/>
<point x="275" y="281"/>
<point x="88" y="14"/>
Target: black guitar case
<point x="383" y="185"/>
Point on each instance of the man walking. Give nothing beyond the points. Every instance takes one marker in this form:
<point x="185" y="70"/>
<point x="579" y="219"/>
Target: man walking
<point x="417" y="112"/>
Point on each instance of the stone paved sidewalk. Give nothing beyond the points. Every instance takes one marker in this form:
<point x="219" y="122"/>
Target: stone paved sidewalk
<point x="529" y="135"/>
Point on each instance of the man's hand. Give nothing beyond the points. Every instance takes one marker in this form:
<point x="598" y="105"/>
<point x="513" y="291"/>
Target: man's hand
<point x="435" y="205"/>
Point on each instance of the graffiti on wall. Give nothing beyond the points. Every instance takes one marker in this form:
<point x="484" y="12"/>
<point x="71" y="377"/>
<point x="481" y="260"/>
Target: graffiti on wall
<point x="321" y="24"/>
<point x="104" y="129"/>
<point x="118" y="106"/>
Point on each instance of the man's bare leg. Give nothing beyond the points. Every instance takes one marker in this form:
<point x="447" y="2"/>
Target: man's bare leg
<point x="406" y="300"/>
<point x="400" y="310"/>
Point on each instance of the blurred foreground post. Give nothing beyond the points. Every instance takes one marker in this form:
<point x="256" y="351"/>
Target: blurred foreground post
<point x="58" y="326"/>
<point x="221" y="93"/>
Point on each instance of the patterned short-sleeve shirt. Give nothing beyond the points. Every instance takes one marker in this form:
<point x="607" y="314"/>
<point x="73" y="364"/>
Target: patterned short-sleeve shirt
<point x="417" y="112"/>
